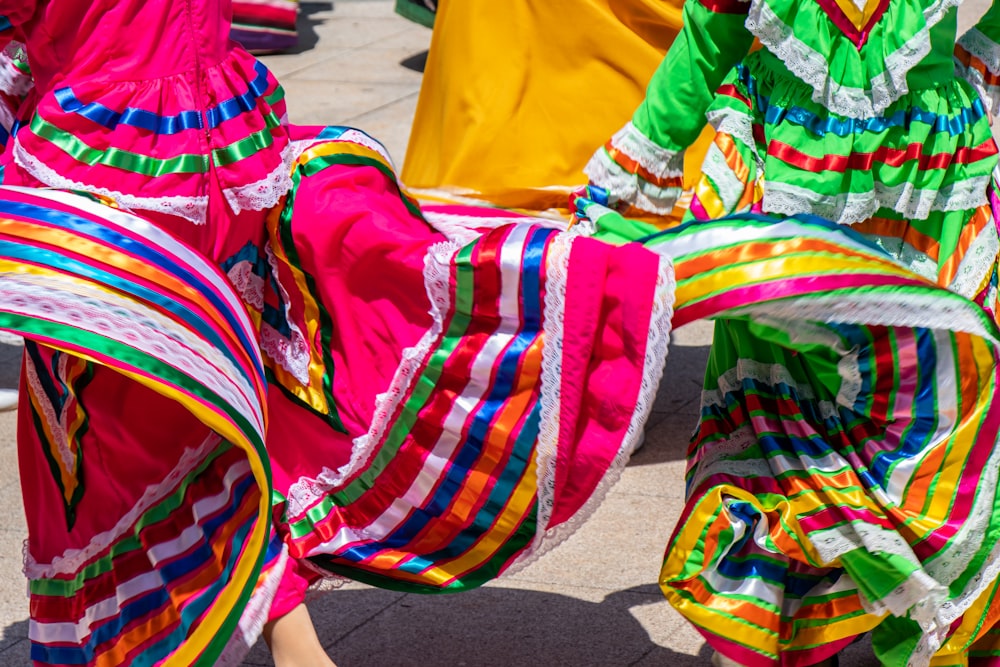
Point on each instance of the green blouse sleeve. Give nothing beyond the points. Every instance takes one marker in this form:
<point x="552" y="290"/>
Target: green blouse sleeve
<point x="712" y="41"/>
<point x="977" y="57"/>
<point x="642" y="164"/>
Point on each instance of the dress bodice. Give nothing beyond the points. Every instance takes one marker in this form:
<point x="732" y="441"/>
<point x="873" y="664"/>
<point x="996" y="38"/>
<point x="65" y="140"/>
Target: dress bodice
<point x="147" y="102"/>
<point x="124" y="40"/>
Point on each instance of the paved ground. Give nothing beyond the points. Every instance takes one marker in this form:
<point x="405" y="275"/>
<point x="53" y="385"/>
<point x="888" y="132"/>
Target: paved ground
<point x="591" y="602"/>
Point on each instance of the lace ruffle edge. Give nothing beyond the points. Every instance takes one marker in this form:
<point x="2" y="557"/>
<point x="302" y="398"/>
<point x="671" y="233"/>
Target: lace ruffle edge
<point x="72" y="560"/>
<point x="813" y="68"/>
<point x="193" y="209"/>
<point x="628" y="187"/>
<point x="850" y="207"/>
<point x="987" y="52"/>
<point x="657" y="344"/>
<point x="982" y="47"/>
<point x="268" y="191"/>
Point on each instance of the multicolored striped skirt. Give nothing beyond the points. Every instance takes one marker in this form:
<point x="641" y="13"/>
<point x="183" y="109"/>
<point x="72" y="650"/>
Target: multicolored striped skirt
<point x="843" y="475"/>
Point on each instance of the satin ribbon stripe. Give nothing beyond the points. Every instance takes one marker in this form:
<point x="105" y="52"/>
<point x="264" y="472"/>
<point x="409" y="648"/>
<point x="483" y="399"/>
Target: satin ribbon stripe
<point x="632" y="166"/>
<point x="460" y="547"/>
<point x="145" y="165"/>
<point x="726" y="6"/>
<point x="261" y="86"/>
<point x="250" y="144"/>
<point x="955" y="124"/>
<point x="856" y="21"/>
<point x="333" y="147"/>
<point x="892" y="157"/>
<point x="163" y="311"/>
<point x="190" y="582"/>
<point x="963" y="57"/>
<point x="349" y="153"/>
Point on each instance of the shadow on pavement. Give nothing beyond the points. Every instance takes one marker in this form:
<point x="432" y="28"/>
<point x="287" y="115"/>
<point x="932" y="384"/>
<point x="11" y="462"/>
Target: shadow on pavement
<point x="675" y="410"/>
<point x="416" y="62"/>
<point x="10" y="364"/>
<point x="14" y="649"/>
<point x="306" y="25"/>
<point x="492" y="627"/>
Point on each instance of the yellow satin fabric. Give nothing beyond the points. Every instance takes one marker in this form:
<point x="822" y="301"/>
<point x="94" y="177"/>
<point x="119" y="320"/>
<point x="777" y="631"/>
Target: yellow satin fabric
<point x="517" y="96"/>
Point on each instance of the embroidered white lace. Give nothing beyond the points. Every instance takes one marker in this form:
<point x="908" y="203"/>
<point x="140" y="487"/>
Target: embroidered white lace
<point x="812" y="67"/>
<point x="193" y="209"/>
<point x="268" y="191"/>
<point x="849" y="207"/>
<point x="628" y="187"/>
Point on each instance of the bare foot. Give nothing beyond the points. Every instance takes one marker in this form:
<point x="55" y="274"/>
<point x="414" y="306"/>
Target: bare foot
<point x="293" y="641"/>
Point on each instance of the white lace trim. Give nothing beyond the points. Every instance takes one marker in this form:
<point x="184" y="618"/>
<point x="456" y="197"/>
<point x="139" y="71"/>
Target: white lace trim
<point x="193" y="209"/>
<point x="728" y="185"/>
<point x="268" y="191"/>
<point x="850" y="207"/>
<point x="920" y="597"/>
<point x="911" y="310"/>
<point x="7" y="118"/>
<point x="813" y="69"/>
<point x="988" y="93"/>
<point x="771" y="375"/>
<point x="292" y="352"/>
<point x="72" y="560"/>
<point x="657" y="160"/>
<point x="982" y="47"/>
<point x="356" y="136"/>
<point x="738" y="125"/>
<point x="548" y="537"/>
<point x="55" y="422"/>
<point x="13" y="81"/>
<point x="464" y="229"/>
<point x="118" y="318"/>
<point x="978" y="263"/>
<point x="306" y="491"/>
<point x="628" y="187"/>
<point x="248" y="285"/>
<point x="254" y="615"/>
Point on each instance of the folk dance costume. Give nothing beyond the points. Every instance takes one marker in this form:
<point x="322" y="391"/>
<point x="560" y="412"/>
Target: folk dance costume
<point x="277" y="367"/>
<point x="821" y="505"/>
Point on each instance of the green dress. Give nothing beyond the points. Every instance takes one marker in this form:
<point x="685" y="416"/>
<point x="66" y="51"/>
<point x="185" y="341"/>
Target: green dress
<point x="800" y="533"/>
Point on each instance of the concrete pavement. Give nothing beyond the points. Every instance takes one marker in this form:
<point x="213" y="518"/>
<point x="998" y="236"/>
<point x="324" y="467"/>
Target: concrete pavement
<point x="591" y="602"/>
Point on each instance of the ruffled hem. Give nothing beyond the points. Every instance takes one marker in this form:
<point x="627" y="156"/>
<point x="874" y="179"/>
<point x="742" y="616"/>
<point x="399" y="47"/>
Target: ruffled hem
<point x="635" y="170"/>
<point x="809" y="57"/>
<point x="847" y="208"/>
<point x="738" y="481"/>
<point x="829" y="177"/>
<point x="138" y="143"/>
<point x="193" y="208"/>
<point x="977" y="60"/>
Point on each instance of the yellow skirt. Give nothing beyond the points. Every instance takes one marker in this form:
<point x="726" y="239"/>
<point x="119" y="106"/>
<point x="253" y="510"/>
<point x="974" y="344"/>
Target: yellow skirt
<point x="516" y="96"/>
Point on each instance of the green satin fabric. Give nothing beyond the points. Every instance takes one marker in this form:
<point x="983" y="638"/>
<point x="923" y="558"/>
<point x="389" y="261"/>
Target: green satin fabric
<point x="708" y="46"/>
